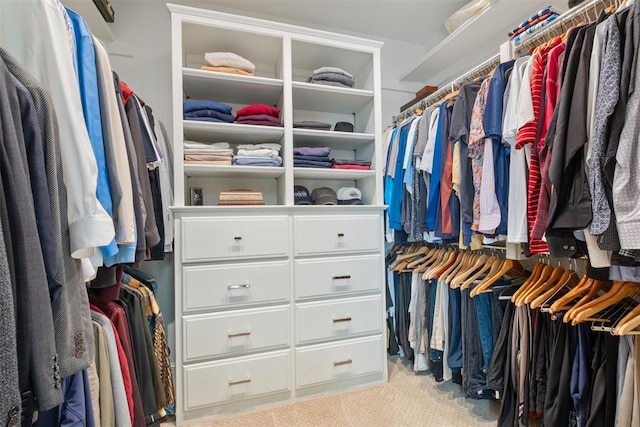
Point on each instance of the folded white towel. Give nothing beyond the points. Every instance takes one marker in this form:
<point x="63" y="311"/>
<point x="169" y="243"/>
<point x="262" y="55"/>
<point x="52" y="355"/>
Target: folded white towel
<point x="263" y="152"/>
<point x="333" y="70"/>
<point x="219" y="152"/>
<point x="229" y="59"/>
<point x="215" y="145"/>
<point x="267" y="145"/>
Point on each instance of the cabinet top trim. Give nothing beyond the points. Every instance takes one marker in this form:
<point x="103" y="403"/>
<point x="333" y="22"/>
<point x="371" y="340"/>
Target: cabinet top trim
<point x="212" y="14"/>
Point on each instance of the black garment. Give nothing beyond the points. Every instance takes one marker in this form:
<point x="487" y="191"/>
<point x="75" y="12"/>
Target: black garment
<point x="140" y="355"/>
<point x="558" y="404"/>
<point x="570" y="203"/>
<point x="474" y="380"/>
<point x="157" y="251"/>
<point x="501" y="372"/>
<point x="403" y="297"/>
<point x="602" y="411"/>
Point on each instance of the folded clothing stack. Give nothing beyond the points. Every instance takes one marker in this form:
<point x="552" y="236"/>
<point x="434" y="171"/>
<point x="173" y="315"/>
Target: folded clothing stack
<point x="207" y="111"/>
<point x="241" y="198"/>
<point x="351" y="164"/>
<point x="267" y="154"/>
<point x="198" y="153"/>
<point x="543" y="16"/>
<point x="259" y="114"/>
<point x="310" y="124"/>
<point x="228" y="62"/>
<point x="312" y="157"/>
<point x="332" y="76"/>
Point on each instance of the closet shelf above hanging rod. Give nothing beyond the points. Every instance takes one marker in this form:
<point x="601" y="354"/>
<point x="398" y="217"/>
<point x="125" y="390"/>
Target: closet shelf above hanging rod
<point x="483" y="69"/>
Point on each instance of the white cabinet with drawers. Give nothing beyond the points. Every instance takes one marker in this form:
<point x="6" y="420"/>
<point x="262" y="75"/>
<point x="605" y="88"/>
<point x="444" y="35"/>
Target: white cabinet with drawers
<point x="279" y="301"/>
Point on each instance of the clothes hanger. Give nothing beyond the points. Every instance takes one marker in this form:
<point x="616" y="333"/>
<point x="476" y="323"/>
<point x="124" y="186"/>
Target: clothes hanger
<point x="462" y="275"/>
<point x="583" y="285"/>
<point x="426" y="263"/>
<point x="568" y="278"/>
<point x="458" y="266"/>
<point x="545" y="274"/>
<point x="440" y="254"/>
<point x="484" y="268"/>
<point x="551" y="281"/>
<point x="507" y="266"/>
<point x="537" y="269"/>
<point x="618" y="292"/>
<point x="419" y="261"/>
<point x="592" y="288"/>
<point x="629" y="323"/>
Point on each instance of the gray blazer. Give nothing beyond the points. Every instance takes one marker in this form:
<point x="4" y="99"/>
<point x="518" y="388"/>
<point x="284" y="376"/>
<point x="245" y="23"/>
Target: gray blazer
<point x="38" y="370"/>
<point x="73" y="327"/>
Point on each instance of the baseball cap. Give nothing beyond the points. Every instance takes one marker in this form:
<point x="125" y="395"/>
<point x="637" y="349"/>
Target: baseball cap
<point x="301" y="195"/>
<point x="349" y="196"/>
<point x="343" y="127"/>
<point x="324" y="196"/>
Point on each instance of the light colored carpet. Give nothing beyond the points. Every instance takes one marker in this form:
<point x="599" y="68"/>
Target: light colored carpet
<point x="406" y="400"/>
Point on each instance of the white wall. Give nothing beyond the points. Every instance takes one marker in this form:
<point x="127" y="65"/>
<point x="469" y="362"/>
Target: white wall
<point x="146" y="26"/>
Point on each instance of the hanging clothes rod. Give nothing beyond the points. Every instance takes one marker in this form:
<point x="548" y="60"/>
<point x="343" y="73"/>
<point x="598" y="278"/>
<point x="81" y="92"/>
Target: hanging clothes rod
<point x="587" y="12"/>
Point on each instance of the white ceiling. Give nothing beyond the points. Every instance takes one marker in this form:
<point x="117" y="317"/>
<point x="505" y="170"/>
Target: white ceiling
<point x="414" y="21"/>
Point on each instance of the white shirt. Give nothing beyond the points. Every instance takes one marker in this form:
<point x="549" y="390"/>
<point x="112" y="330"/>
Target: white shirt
<point x="489" y="208"/>
<point x="34" y="31"/>
<point x="427" y="155"/>
<point x="525" y="100"/>
<point x="517" y="229"/>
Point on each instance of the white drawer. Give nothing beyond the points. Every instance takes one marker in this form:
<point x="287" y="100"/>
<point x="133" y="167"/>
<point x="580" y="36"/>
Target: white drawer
<point x="234" y="238"/>
<point x="242" y="378"/>
<point x="332" y="362"/>
<point x="219" y="286"/>
<point x="235" y="332"/>
<point x="336" y="234"/>
<point x="345" y="318"/>
<point x="337" y="276"/>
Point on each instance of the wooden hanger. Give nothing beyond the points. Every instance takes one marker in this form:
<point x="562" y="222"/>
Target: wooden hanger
<point x="537" y="269"/>
<point x="448" y="275"/>
<point x="428" y="264"/>
<point x="545" y="274"/>
<point x="534" y="292"/>
<point x="569" y="278"/>
<point x="507" y="266"/>
<point x="495" y="267"/>
<point x="419" y="261"/>
<point x="629" y="323"/>
<point x="478" y="263"/>
<point x="592" y="288"/>
<point x="483" y="269"/>
<point x="464" y="270"/>
<point x="437" y="265"/>
<point x="618" y="292"/>
<point x="579" y="289"/>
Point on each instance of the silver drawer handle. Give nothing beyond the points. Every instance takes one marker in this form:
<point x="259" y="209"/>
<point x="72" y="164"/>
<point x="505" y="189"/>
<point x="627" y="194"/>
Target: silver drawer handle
<point x="238" y="334"/>
<point x="237" y="238"/>
<point x="343" y="362"/>
<point x="345" y="276"/>
<point x="242" y="381"/>
<point x="340" y="234"/>
<point x="342" y="319"/>
<point x="243" y="286"/>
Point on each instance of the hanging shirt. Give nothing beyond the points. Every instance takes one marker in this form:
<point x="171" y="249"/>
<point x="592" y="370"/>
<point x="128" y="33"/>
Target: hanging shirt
<point x="436" y="171"/>
<point x="476" y="148"/>
<point x="516" y="217"/>
<point x="39" y="26"/>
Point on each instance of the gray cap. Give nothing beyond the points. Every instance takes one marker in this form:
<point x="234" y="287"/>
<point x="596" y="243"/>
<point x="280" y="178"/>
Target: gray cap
<point x="324" y="196"/>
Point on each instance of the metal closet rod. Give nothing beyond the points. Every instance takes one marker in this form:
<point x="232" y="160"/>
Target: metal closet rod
<point x="568" y="17"/>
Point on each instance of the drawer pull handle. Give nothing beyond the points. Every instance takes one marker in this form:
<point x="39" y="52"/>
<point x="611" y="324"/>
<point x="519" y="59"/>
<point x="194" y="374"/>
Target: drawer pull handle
<point x="238" y="382"/>
<point x="342" y="319"/>
<point x="237" y="238"/>
<point x="345" y="276"/>
<point x="238" y="334"/>
<point x="343" y="362"/>
<point x="340" y="234"/>
<point x="243" y="286"/>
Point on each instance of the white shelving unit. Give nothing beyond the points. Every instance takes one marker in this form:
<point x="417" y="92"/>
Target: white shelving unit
<point x="295" y="289"/>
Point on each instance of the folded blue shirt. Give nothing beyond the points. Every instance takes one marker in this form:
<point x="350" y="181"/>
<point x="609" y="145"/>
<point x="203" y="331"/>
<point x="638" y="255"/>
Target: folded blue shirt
<point x="312" y="151"/>
<point x="203" y="104"/>
<point x="209" y="113"/>
<point x="257" y="161"/>
<point x="311" y="164"/>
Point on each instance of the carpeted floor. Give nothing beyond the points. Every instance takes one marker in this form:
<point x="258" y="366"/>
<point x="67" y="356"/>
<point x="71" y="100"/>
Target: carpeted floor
<point x="406" y="400"/>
